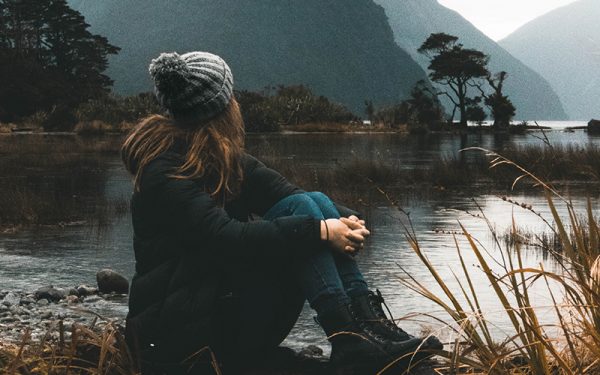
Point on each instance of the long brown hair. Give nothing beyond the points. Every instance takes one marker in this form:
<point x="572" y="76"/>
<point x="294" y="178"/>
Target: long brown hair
<point x="212" y="149"/>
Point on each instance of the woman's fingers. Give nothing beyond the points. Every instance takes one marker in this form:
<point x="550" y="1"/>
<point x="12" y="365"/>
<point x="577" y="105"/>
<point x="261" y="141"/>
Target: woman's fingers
<point x="350" y="250"/>
<point x="353" y="249"/>
<point x="351" y="223"/>
<point x="345" y="235"/>
<point x="356" y="220"/>
<point x="356" y="236"/>
<point x="355" y="225"/>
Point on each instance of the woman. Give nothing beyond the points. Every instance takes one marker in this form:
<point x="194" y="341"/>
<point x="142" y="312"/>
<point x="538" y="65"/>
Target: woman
<point x="206" y="275"/>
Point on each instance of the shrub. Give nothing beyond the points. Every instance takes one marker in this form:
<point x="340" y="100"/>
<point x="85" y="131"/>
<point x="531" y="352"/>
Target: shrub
<point x="289" y="105"/>
<point x="113" y="109"/>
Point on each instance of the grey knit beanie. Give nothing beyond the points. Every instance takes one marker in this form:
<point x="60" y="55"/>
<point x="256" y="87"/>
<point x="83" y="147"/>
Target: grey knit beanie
<point x="193" y="86"/>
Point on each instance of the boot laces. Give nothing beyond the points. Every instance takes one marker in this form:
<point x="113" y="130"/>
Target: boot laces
<point x="366" y="328"/>
<point x="377" y="301"/>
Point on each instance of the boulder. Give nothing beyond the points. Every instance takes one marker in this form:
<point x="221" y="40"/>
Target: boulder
<point x="110" y="281"/>
<point x="50" y="293"/>
<point x="594" y="126"/>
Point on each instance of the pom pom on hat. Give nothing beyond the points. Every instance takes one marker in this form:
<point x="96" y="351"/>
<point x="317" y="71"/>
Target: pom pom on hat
<point x="169" y="72"/>
<point x="195" y="85"/>
<point x="166" y="65"/>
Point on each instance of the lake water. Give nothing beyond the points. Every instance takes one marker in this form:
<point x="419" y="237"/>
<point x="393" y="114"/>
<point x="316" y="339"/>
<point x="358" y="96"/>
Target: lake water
<point x="72" y="255"/>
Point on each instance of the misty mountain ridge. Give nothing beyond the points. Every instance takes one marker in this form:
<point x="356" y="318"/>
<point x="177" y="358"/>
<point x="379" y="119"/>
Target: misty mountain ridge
<point x="414" y="20"/>
<point x="564" y="47"/>
<point x="341" y="49"/>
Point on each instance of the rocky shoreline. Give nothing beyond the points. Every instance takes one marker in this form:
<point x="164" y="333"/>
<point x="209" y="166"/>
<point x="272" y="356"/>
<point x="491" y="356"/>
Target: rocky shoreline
<point x="38" y="313"/>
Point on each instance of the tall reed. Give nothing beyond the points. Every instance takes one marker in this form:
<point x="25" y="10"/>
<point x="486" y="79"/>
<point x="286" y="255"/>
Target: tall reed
<point x="530" y="347"/>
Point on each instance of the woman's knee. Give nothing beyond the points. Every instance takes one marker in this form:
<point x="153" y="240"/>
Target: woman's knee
<point x="303" y="204"/>
<point x="318" y="197"/>
<point x="325" y="204"/>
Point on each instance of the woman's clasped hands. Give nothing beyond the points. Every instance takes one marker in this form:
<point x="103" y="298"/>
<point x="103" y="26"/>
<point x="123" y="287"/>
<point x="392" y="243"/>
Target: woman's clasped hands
<point x="346" y="235"/>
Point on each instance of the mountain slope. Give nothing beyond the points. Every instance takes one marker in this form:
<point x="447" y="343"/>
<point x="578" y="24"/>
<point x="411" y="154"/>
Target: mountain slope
<point x="414" y="20"/>
<point x="564" y="47"/>
<point x="341" y="49"/>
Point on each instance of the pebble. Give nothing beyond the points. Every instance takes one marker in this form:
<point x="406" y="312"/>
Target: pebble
<point x="43" y="302"/>
<point x="11" y="299"/>
<point x="72" y="299"/>
<point x="84" y="290"/>
<point x="27" y="301"/>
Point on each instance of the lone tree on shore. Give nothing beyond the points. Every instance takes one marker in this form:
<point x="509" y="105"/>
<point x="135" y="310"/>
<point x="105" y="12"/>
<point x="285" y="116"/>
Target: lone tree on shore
<point x="455" y="67"/>
<point x="48" y="58"/>
<point x="499" y="104"/>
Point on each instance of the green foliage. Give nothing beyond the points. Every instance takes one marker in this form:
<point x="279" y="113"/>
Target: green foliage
<point x="289" y="105"/>
<point x="48" y="58"/>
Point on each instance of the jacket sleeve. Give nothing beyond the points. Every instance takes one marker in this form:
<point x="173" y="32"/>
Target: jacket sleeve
<point x="263" y="187"/>
<point x="190" y="208"/>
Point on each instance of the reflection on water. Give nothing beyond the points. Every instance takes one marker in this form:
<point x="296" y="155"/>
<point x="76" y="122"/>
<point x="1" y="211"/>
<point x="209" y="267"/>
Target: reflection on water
<point x="71" y="255"/>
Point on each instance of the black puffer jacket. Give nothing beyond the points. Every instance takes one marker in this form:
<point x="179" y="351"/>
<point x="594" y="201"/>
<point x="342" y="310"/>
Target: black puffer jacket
<point x="184" y="241"/>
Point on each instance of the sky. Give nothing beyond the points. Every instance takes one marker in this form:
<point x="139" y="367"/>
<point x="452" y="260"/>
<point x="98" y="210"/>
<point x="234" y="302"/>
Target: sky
<point x="498" y="18"/>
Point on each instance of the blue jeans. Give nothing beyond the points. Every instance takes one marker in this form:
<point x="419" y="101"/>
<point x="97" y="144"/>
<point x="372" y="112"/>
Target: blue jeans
<point x="327" y="278"/>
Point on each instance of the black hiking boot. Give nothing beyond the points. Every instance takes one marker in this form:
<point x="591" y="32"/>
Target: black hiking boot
<point x="356" y="346"/>
<point x="369" y="309"/>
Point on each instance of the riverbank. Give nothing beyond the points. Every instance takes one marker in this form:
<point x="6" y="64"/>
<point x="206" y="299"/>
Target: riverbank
<point x="34" y="313"/>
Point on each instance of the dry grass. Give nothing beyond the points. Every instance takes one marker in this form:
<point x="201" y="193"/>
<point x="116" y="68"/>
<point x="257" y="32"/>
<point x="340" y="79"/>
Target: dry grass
<point x="87" y="350"/>
<point x="530" y="348"/>
<point x="6" y="128"/>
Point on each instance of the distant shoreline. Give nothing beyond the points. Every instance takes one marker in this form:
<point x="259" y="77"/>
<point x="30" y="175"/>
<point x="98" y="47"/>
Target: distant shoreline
<point x="98" y="128"/>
